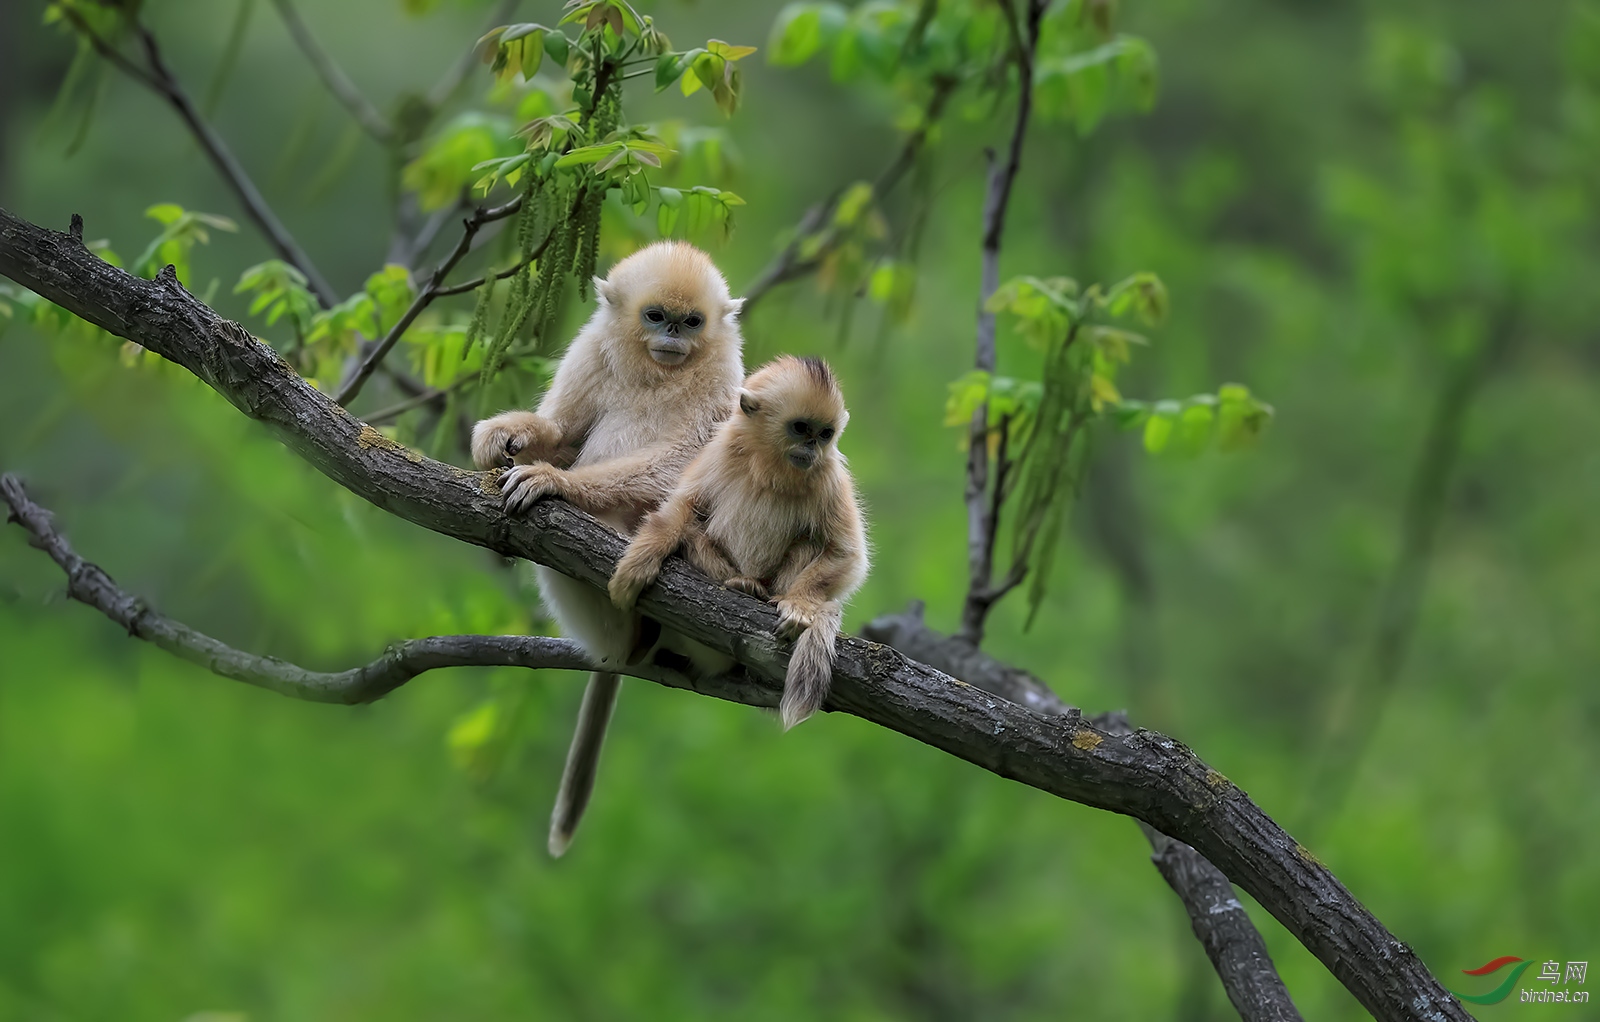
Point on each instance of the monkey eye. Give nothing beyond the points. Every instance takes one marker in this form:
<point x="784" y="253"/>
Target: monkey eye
<point x="655" y="315"/>
<point x="798" y="427"/>
<point x="826" y="434"/>
<point x="694" y="321"/>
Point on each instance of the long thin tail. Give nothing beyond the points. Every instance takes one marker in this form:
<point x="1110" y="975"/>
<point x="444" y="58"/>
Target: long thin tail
<point x="583" y="759"/>
<point x="805" y="687"/>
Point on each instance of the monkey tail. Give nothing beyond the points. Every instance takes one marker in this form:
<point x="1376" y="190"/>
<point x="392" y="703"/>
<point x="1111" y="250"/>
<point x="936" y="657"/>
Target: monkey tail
<point x="805" y="687"/>
<point x="583" y="759"/>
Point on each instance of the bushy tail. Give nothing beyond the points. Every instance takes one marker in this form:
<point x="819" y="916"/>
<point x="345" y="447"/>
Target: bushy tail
<point x="805" y="687"/>
<point x="583" y="759"/>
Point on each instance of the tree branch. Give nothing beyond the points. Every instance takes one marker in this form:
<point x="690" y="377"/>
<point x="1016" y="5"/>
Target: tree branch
<point x="982" y="524"/>
<point x="90" y="585"/>
<point x="789" y="264"/>
<point x="1220" y="922"/>
<point x="470" y="228"/>
<point x="338" y="83"/>
<point x="1142" y="774"/>
<point x="159" y="78"/>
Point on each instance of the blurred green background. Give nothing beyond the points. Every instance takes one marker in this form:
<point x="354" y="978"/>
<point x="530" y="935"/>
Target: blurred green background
<point x="1379" y="216"/>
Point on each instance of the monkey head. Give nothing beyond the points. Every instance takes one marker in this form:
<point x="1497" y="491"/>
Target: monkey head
<point x="793" y="408"/>
<point x="668" y="305"/>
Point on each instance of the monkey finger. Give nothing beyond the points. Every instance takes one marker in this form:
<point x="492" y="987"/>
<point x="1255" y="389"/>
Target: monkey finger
<point x="747" y="585"/>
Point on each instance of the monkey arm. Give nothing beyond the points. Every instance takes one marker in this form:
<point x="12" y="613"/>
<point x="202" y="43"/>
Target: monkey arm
<point x="518" y="437"/>
<point x="810" y="579"/>
<point x="660" y="535"/>
<point x="634" y="482"/>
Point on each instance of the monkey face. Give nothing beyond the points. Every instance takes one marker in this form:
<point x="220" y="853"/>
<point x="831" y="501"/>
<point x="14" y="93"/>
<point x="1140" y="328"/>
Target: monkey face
<point x="670" y="332"/>
<point x="808" y="439"/>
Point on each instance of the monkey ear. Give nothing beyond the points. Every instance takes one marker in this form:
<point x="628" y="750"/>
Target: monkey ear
<point x="734" y="307"/>
<point x="748" y="402"/>
<point x="605" y="291"/>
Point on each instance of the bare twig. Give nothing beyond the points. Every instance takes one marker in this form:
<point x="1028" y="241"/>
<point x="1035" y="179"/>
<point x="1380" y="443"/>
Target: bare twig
<point x="470" y="228"/>
<point x="477" y="282"/>
<point x="1143" y="774"/>
<point x="157" y="77"/>
<point x="426" y="397"/>
<point x="790" y="264"/>
<point x="982" y="522"/>
<point x="338" y="83"/>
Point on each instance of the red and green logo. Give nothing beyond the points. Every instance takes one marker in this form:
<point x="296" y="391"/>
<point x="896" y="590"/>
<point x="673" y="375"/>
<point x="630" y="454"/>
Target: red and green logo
<point x="1502" y="991"/>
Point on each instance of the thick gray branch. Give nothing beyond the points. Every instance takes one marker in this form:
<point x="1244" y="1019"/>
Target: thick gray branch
<point x="1231" y="941"/>
<point x="1142" y="774"/>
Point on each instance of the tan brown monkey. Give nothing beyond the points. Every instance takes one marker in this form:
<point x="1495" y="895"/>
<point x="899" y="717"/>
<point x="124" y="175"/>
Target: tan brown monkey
<point x="768" y="507"/>
<point x="639" y="391"/>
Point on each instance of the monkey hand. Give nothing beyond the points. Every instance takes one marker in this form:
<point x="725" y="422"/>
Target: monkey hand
<point x="524" y="484"/>
<point x="514" y="437"/>
<point x="796" y="614"/>
<point x="632" y="575"/>
<point x="747" y="585"/>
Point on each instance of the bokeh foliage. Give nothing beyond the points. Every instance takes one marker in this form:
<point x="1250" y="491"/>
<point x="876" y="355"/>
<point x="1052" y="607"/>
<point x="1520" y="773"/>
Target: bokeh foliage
<point x="1350" y="208"/>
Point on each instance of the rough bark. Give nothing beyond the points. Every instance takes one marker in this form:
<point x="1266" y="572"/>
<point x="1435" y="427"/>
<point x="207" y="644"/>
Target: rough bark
<point x="1141" y="774"/>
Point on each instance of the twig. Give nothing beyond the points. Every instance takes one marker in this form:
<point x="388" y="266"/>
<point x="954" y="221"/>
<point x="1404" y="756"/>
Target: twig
<point x="789" y="265"/>
<point x="470" y="227"/>
<point x="399" y="663"/>
<point x="429" y="396"/>
<point x="1144" y="774"/>
<point x="158" y="78"/>
<point x="981" y="524"/>
<point x="473" y="285"/>
<point x="338" y="83"/>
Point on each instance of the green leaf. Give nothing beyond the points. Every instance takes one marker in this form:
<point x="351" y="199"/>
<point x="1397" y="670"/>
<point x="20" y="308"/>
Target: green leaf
<point x="966" y="395"/>
<point x="589" y="154"/>
<point x="670" y="197"/>
<point x="1158" y="428"/>
<point x="448" y="162"/>
<point x="1142" y="294"/>
<point x="557" y="47"/>
<point x="391" y="292"/>
<point x="802" y="30"/>
<point x="165" y="212"/>
<point x="666" y="218"/>
<point x="852" y="204"/>
<point x="1193" y="431"/>
<point x="669" y="69"/>
<point x="728" y="51"/>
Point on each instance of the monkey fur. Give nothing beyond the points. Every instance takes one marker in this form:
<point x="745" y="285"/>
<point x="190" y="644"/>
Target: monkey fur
<point x="769" y="508"/>
<point x="639" y="391"/>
